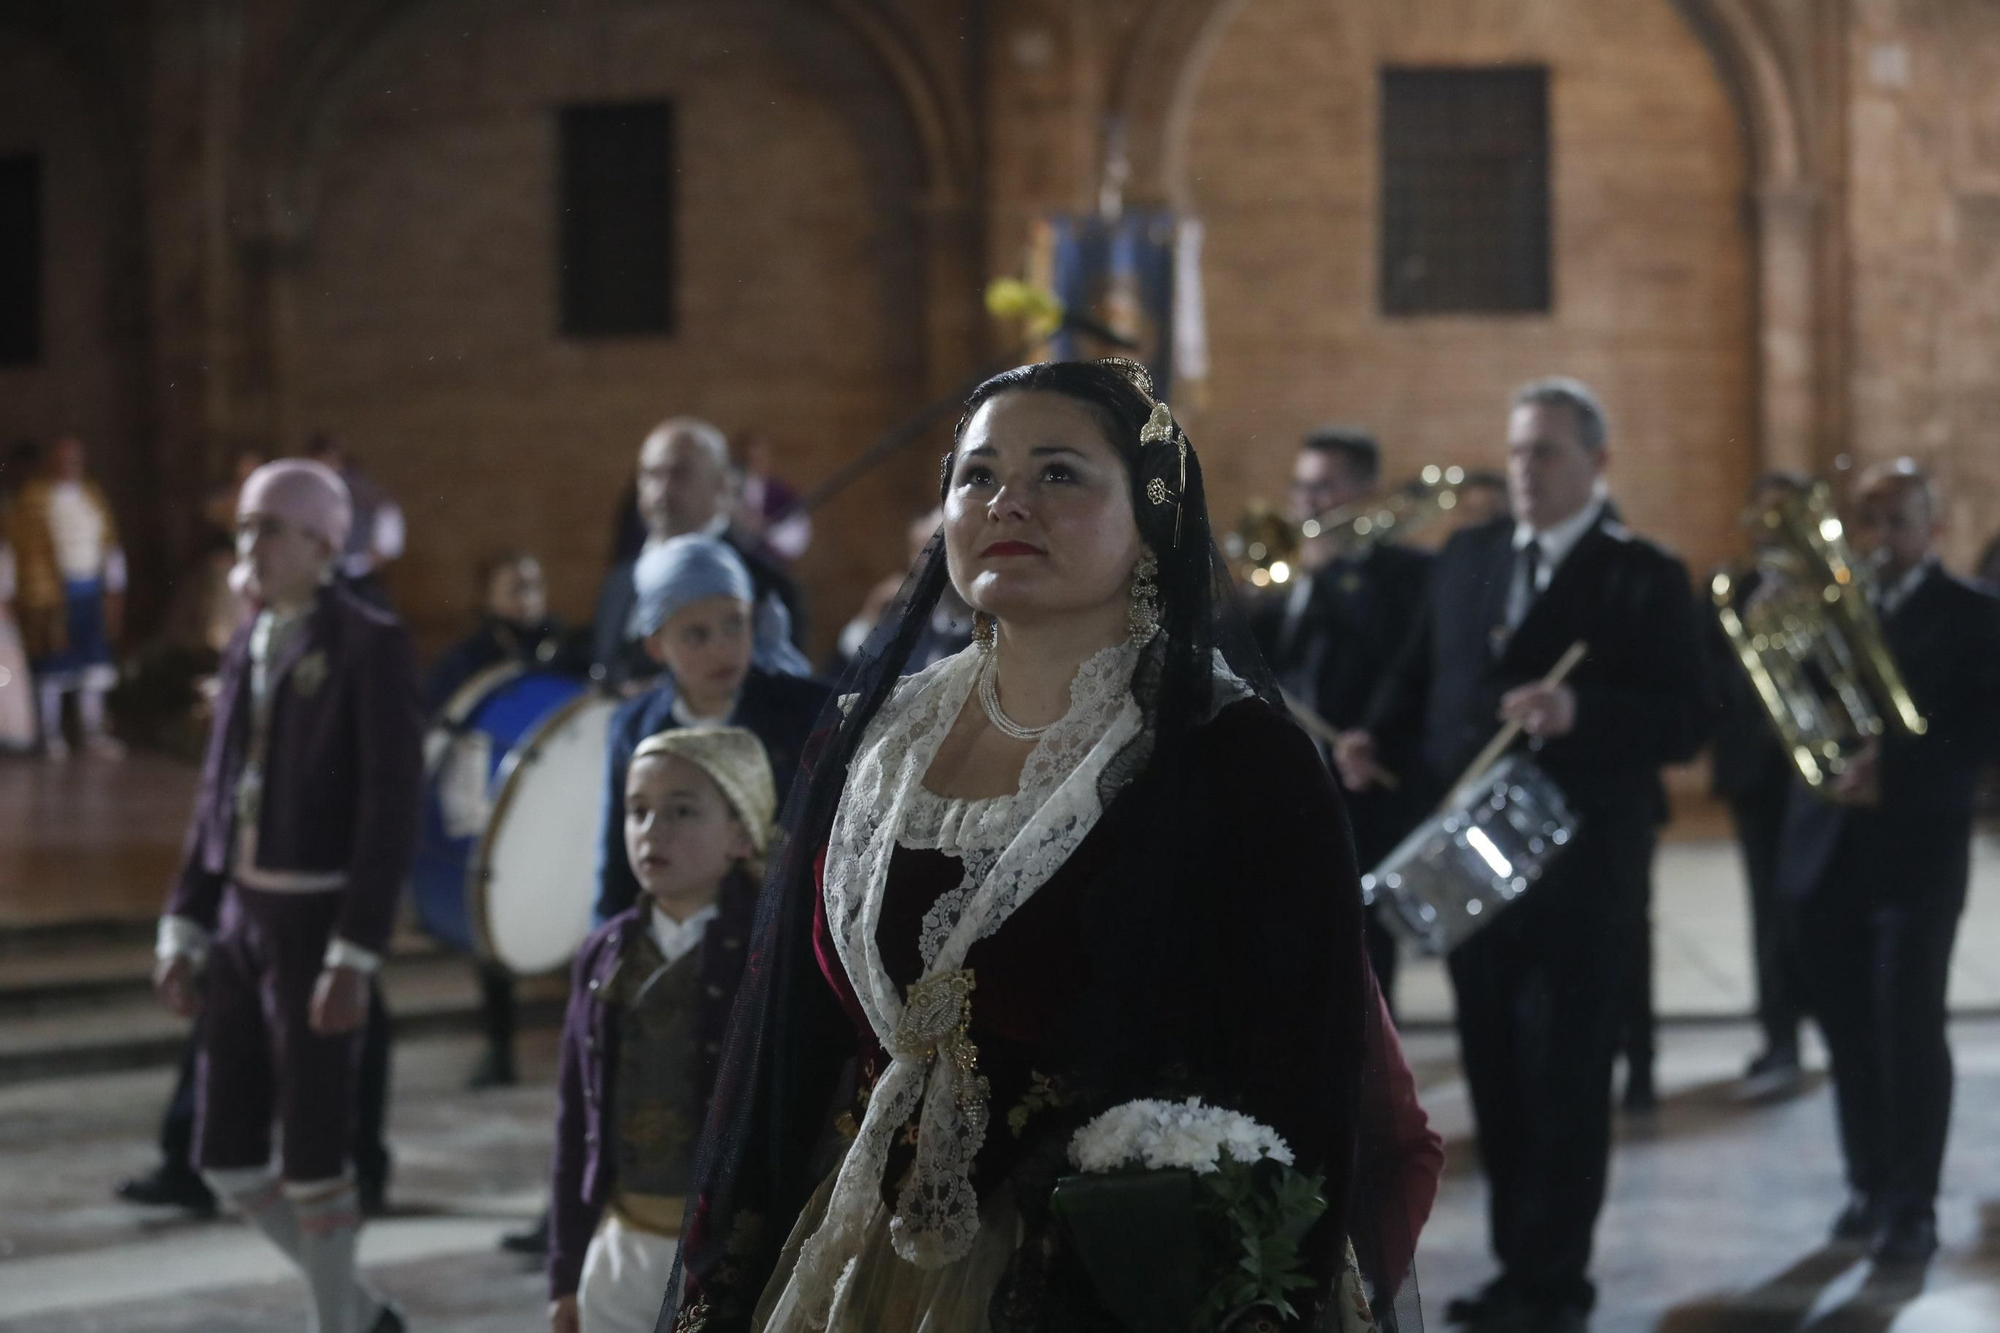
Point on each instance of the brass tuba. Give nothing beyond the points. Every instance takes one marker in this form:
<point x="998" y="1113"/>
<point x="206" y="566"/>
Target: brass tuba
<point x="1264" y="548"/>
<point x="1809" y="639"/>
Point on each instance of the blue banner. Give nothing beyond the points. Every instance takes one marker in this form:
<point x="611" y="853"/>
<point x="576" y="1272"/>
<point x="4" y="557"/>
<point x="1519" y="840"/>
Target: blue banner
<point x="1122" y="274"/>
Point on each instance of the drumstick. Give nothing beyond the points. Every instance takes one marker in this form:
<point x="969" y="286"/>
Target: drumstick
<point x="1322" y="730"/>
<point x="1510" y="733"/>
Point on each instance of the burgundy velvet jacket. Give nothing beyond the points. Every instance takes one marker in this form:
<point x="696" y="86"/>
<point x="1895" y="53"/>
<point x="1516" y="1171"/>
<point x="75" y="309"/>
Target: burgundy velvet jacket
<point x="1252" y="985"/>
<point x="584" y="1167"/>
<point x="343" y="770"/>
<point x="1286" y="914"/>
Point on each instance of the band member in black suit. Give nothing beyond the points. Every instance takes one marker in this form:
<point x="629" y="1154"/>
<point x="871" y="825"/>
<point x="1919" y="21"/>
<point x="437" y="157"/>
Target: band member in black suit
<point x="1331" y="635"/>
<point x="514" y="627"/>
<point x="1540" y="990"/>
<point x="1753" y="775"/>
<point x="683" y="481"/>
<point x="1877" y="876"/>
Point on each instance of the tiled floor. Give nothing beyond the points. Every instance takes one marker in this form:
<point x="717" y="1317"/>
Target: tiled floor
<point x="89" y="840"/>
<point x="1713" y="1225"/>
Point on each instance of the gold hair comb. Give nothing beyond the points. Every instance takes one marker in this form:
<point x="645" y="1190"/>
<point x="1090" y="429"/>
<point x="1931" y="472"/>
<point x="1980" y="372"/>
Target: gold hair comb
<point x="1160" y="429"/>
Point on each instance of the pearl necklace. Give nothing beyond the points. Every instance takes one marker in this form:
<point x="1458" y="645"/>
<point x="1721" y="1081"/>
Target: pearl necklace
<point x="989" y="699"/>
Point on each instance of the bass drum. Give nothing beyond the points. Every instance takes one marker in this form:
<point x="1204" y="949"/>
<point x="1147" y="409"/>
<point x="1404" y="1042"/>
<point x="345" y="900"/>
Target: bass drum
<point x="508" y="857"/>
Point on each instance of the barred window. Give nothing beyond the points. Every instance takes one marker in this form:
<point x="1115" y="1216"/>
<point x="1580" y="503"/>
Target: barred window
<point x="1465" y="191"/>
<point x="617" y="219"/>
<point x="20" y="260"/>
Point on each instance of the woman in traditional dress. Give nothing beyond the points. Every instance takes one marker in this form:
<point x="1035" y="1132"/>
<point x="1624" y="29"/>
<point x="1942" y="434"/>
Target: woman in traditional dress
<point x="1083" y="861"/>
<point x="70" y="598"/>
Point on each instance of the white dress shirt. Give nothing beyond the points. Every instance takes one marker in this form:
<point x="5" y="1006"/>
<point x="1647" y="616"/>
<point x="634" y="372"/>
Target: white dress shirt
<point x="1892" y="596"/>
<point x="1556" y="543"/>
<point x="690" y="719"/>
<point x="677" y="939"/>
<point x="78" y="529"/>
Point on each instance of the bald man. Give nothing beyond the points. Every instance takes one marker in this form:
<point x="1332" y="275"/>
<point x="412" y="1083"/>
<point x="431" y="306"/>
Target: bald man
<point x="1877" y="876"/>
<point x="683" y="488"/>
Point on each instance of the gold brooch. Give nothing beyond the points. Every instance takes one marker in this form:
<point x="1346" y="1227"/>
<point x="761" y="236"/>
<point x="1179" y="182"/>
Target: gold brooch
<point x="310" y="673"/>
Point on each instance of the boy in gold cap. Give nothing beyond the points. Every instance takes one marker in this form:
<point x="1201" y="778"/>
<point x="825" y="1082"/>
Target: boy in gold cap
<point x="649" y="1000"/>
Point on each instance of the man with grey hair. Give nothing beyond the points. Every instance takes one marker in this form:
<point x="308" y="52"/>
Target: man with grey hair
<point x="683" y="488"/>
<point x="1876" y="877"/>
<point x="1541" y="989"/>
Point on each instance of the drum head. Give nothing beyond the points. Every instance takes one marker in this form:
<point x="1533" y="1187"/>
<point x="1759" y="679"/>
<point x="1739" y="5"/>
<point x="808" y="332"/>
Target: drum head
<point x="1460" y="868"/>
<point x="533" y="878"/>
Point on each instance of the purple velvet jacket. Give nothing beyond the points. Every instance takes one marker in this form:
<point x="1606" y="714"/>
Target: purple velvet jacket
<point x="343" y="771"/>
<point x="585" y="1167"/>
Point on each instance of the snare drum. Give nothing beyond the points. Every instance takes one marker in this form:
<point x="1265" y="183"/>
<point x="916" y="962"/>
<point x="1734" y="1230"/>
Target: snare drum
<point x="1468" y="861"/>
<point x="507" y="865"/>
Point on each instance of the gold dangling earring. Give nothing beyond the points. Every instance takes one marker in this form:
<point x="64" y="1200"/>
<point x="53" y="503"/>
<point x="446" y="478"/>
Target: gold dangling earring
<point x="984" y="630"/>
<point x="1144" y="613"/>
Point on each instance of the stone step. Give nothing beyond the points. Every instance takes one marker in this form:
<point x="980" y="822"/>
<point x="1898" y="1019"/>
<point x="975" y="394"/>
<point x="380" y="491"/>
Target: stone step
<point x="77" y="1010"/>
<point x="45" y="967"/>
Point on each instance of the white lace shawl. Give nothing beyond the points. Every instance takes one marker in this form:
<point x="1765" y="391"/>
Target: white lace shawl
<point x="1010" y="846"/>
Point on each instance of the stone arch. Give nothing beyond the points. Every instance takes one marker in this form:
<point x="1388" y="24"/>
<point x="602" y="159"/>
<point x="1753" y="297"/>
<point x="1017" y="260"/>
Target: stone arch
<point x="331" y="39"/>
<point x="851" y="237"/>
<point x="1793" y="222"/>
<point x="1166" y="58"/>
<point x="1747" y="60"/>
<point x="1287" y="182"/>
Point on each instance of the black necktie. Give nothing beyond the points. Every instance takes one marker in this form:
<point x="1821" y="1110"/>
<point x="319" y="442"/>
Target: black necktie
<point x="1522" y="594"/>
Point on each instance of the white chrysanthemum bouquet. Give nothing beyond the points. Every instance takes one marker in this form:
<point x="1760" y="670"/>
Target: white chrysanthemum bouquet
<point x="1246" y="1212"/>
<point x="1166" y="1136"/>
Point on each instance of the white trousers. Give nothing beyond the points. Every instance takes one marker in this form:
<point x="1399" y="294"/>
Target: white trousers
<point x="625" y="1276"/>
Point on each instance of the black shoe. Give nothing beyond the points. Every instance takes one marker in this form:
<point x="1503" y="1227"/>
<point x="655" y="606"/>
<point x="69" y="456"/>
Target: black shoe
<point x="1773" y="1060"/>
<point x="389" y="1321"/>
<point x="494" y="1070"/>
<point x="533" y="1242"/>
<point x="1641" y="1097"/>
<point x="168" y="1187"/>
<point x="1774" y="1074"/>
<point x="1858" y="1221"/>
<point x="1489" y="1302"/>
<point x="1909" y="1241"/>
<point x="1541" y="1318"/>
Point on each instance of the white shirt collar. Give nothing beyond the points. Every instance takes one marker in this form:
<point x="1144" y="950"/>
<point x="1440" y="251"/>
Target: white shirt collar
<point x="1895" y="594"/>
<point x="715" y="527"/>
<point x="271" y="626"/>
<point x="687" y="717"/>
<point x="677" y="939"/>
<point x="1558" y="541"/>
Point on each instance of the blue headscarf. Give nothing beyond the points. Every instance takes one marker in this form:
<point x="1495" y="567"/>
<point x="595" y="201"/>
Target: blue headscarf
<point x="683" y="570"/>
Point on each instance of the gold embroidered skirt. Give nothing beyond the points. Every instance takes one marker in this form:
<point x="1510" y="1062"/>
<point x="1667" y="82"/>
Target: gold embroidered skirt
<point x="885" y="1293"/>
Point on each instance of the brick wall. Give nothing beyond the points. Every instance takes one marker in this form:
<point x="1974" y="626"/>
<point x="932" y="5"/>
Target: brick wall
<point x="1651" y="263"/>
<point x="413" y="311"/>
<point x="425" y="304"/>
<point x="1924" y="221"/>
<point x="87" y="352"/>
